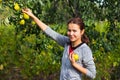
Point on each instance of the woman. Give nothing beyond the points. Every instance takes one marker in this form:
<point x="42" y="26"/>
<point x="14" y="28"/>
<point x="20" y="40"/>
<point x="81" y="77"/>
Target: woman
<point x="74" y="43"/>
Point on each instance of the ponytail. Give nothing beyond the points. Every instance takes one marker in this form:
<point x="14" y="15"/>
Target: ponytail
<point x="85" y="39"/>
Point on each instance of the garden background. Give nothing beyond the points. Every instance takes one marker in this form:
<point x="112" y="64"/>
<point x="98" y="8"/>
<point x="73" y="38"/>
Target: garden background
<point x="26" y="53"/>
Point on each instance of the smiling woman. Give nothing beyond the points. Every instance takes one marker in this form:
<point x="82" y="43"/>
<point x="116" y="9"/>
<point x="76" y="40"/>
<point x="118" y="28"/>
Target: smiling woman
<point x="75" y="42"/>
<point x="78" y="28"/>
<point x="74" y="33"/>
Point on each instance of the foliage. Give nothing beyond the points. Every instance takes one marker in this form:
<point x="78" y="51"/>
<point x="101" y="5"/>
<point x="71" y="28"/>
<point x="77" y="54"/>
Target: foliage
<point x="22" y="56"/>
<point x="4" y="14"/>
<point x="105" y="45"/>
<point x="29" y="54"/>
<point x="22" y="60"/>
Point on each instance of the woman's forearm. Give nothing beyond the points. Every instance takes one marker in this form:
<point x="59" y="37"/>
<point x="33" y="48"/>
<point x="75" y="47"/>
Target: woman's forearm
<point x="41" y="25"/>
<point x="79" y="68"/>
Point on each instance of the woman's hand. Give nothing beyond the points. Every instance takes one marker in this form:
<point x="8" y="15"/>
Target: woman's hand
<point x="76" y="65"/>
<point x="72" y="60"/>
<point x="28" y="12"/>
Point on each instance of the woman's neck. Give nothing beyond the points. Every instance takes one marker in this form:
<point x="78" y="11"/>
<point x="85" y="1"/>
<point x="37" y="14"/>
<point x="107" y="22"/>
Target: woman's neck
<point x="74" y="44"/>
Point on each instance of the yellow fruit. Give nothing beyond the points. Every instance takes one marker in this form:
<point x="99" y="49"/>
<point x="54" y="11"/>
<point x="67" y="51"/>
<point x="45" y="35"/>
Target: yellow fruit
<point x="33" y="22"/>
<point x="16" y="7"/>
<point x="22" y="22"/>
<point x="75" y="56"/>
<point x="1" y="67"/>
<point x="0" y="1"/>
<point x="25" y="16"/>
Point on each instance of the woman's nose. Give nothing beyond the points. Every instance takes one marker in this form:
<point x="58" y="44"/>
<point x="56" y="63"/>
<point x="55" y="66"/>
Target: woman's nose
<point x="71" y="33"/>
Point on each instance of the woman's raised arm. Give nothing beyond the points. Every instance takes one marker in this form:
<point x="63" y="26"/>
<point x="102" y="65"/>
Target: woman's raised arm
<point x="42" y="25"/>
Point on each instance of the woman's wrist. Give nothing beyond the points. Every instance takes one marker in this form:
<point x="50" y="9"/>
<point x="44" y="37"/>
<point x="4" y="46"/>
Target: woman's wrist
<point x="74" y="64"/>
<point x="32" y="16"/>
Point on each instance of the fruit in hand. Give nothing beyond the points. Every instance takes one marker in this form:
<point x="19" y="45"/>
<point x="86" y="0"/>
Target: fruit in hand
<point x="16" y="7"/>
<point x="76" y="56"/>
<point x="25" y="16"/>
<point x="22" y="22"/>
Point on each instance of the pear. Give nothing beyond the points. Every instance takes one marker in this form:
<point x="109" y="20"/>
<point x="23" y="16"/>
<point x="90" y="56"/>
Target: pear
<point x="16" y="7"/>
<point x="25" y="16"/>
<point x="76" y="56"/>
<point x="22" y="22"/>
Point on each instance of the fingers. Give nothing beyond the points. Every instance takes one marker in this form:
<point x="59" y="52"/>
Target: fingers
<point x="25" y="10"/>
<point x="72" y="60"/>
<point x="70" y="56"/>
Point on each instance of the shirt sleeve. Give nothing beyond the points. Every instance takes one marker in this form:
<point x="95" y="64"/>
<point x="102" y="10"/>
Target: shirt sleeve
<point x="60" y="39"/>
<point x="89" y="63"/>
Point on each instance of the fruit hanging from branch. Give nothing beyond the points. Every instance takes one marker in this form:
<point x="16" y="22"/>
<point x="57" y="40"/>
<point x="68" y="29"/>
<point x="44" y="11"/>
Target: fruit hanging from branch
<point x="16" y="7"/>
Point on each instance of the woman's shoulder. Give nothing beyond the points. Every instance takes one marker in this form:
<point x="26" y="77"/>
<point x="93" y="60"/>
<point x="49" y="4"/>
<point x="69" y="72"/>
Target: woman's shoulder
<point x="85" y="47"/>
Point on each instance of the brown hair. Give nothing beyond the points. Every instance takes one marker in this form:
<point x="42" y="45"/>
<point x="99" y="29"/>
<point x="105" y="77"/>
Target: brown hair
<point x="80" y="22"/>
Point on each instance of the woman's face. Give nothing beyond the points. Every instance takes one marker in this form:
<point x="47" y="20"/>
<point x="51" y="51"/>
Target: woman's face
<point x="74" y="33"/>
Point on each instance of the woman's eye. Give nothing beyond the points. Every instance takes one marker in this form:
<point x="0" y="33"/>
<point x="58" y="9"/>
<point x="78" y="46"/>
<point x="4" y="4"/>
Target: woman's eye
<point x="69" y="30"/>
<point x="74" y="30"/>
